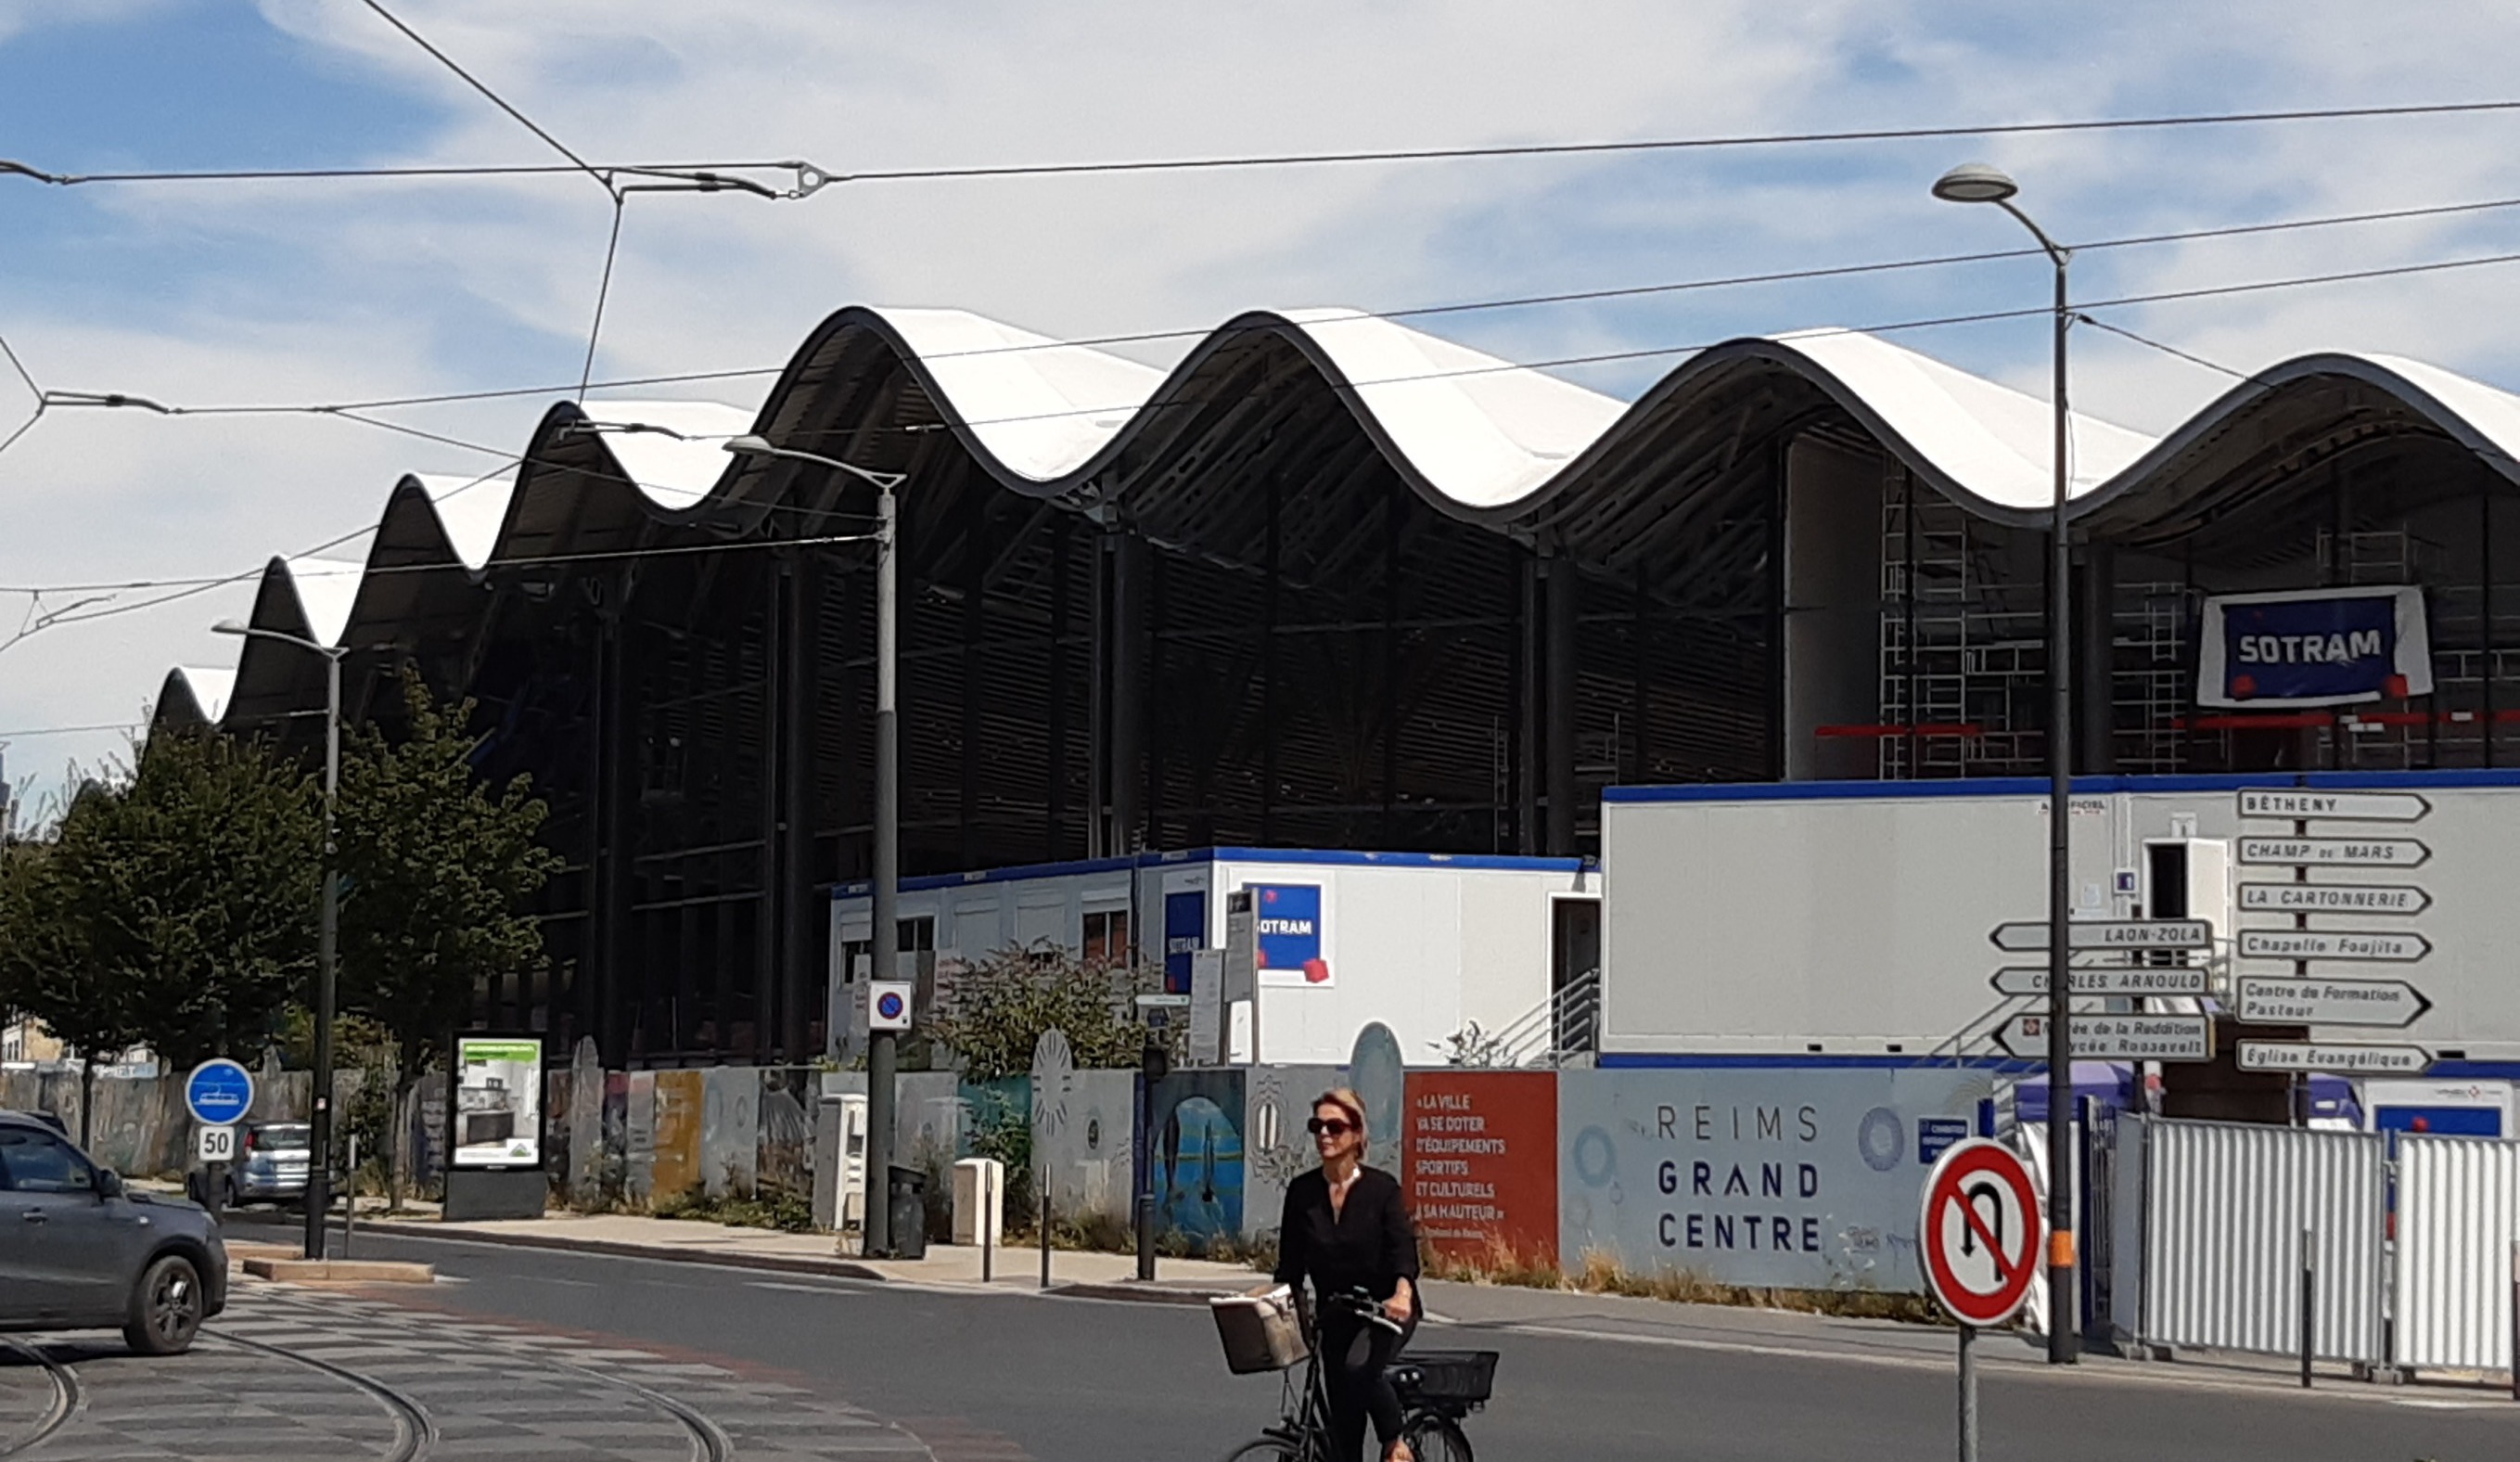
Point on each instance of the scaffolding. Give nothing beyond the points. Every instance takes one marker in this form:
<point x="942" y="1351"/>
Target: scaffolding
<point x="1959" y="672"/>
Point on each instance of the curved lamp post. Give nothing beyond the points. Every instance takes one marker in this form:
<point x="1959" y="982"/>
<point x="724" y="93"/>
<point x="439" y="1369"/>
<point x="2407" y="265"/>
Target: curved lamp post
<point x="1982" y="183"/>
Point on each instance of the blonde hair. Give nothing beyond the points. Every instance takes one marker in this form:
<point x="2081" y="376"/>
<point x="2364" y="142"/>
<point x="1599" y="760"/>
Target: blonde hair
<point x="1346" y="1101"/>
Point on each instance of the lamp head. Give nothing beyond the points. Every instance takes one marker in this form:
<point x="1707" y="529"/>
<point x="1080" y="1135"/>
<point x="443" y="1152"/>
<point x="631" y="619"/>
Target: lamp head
<point x="229" y="626"/>
<point x="1975" y="182"/>
<point x="750" y="445"/>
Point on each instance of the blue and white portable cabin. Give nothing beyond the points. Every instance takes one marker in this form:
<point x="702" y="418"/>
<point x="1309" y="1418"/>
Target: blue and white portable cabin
<point x="1426" y="943"/>
<point x="1848" y="923"/>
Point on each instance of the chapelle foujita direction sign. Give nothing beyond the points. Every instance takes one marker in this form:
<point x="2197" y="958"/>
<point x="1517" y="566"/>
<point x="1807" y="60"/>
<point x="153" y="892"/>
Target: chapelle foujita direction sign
<point x="2115" y="1037"/>
<point x="2026" y="936"/>
<point x="2340" y="943"/>
<point x="2309" y="1000"/>
<point x="2340" y="1057"/>
<point x="2107" y="979"/>
<point x="2333" y="899"/>
<point x="2334" y="852"/>
<point x="2301" y="805"/>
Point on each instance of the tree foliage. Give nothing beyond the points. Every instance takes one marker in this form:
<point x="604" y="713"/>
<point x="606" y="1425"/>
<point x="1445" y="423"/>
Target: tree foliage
<point x="439" y="866"/>
<point x="1003" y="1002"/>
<point x="174" y="909"/>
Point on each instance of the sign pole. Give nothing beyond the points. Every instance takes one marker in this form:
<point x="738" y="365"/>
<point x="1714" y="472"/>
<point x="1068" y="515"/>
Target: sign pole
<point x="1968" y="1393"/>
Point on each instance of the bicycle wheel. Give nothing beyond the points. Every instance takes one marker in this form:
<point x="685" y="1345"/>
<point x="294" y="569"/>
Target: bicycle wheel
<point x="1434" y="1439"/>
<point x="1266" y="1450"/>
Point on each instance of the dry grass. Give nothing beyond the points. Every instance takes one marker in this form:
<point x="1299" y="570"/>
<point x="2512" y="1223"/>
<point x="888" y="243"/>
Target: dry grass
<point x="1601" y="1274"/>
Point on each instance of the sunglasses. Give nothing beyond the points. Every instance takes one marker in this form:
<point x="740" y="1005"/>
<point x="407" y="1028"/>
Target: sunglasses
<point x="1332" y="1128"/>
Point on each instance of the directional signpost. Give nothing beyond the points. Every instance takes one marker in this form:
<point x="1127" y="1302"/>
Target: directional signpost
<point x="2351" y="806"/>
<point x="2116" y="1037"/>
<point x="2305" y="1055"/>
<point x="2321" y="944"/>
<point x="2107" y="979"/>
<point x="1980" y="1238"/>
<point x="2335" y="852"/>
<point x="2316" y="1001"/>
<point x="2306" y="999"/>
<point x="2027" y="937"/>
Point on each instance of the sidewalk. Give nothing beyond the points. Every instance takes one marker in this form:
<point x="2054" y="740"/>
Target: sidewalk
<point x="636" y="1236"/>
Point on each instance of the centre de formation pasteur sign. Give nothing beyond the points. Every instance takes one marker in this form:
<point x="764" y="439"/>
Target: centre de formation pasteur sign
<point x="1480" y="1167"/>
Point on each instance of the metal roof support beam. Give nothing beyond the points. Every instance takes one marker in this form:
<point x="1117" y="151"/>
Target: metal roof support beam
<point x="1562" y="585"/>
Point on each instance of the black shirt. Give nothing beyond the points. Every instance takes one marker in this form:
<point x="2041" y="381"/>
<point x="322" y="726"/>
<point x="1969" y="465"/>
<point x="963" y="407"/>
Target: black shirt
<point x="1369" y="1244"/>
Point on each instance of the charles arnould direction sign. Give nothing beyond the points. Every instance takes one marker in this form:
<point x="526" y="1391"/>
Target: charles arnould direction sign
<point x="2180" y="1036"/>
<point x="2107" y="979"/>
<point x="2028" y="936"/>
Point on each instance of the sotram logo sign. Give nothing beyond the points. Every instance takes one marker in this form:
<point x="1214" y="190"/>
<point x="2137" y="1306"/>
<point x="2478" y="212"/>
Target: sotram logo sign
<point x="2314" y="647"/>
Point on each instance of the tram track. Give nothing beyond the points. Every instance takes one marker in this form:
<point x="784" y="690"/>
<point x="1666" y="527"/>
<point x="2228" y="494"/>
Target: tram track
<point x="414" y="1430"/>
<point x="67" y="1398"/>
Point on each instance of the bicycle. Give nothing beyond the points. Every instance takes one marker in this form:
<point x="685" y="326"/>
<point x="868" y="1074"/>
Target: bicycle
<point x="1438" y="1389"/>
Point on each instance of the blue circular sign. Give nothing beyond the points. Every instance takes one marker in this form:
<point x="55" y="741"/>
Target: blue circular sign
<point x="219" y="1091"/>
<point x="889" y="1005"/>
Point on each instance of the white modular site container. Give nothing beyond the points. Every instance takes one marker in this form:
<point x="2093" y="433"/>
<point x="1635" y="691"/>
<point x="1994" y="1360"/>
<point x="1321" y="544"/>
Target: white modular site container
<point x="1424" y="943"/>
<point x="1852" y="918"/>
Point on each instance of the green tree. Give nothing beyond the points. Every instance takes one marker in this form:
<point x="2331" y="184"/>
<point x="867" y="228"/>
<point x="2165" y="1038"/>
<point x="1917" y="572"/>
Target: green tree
<point x="437" y="867"/>
<point x="1002" y="1003"/>
<point x="174" y="909"/>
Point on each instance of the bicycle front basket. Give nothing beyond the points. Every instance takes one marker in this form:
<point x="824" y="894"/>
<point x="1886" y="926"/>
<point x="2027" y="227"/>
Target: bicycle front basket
<point x="1467" y="1377"/>
<point x="1261" y="1333"/>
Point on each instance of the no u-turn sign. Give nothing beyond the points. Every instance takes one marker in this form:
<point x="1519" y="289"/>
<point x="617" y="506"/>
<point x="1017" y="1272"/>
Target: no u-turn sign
<point x="1982" y="1232"/>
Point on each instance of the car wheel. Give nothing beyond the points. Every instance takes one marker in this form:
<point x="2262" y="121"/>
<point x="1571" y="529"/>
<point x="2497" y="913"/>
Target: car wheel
<point x="165" y="1307"/>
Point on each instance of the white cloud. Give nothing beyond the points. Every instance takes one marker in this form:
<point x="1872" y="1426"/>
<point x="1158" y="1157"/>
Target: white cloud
<point x="351" y="290"/>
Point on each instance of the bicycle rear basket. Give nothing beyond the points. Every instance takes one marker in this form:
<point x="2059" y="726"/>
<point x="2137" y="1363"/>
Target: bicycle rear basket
<point x="1462" y="1376"/>
<point x="1260" y="1334"/>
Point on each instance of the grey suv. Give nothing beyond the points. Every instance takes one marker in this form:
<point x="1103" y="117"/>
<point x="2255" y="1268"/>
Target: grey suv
<point x="79" y="1251"/>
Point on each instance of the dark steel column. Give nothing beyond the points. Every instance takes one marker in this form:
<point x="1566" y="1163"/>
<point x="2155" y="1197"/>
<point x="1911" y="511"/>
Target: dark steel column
<point x="1528" y="695"/>
<point x="1395" y="503"/>
<point x="975" y="630"/>
<point x="1126" y="728"/>
<point x="1560" y="668"/>
<point x="2095" y="627"/>
<point x="801" y="951"/>
<point x="1269" y="666"/>
<point x="1055" y="706"/>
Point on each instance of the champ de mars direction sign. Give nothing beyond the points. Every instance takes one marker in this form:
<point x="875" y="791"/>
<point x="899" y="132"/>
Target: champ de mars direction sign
<point x="2334" y="852"/>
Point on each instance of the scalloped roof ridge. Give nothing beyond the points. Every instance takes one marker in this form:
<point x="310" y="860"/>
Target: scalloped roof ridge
<point x="1487" y="436"/>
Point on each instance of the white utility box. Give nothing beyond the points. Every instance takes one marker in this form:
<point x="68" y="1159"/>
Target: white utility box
<point x="979" y="1200"/>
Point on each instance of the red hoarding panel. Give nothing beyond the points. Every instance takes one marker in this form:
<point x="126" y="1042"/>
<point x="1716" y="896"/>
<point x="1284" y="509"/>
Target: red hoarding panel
<point x="1480" y="1167"/>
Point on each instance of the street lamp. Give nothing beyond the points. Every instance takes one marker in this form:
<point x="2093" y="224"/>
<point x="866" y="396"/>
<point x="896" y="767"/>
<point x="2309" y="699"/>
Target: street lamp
<point x="319" y="1157"/>
<point x="883" y="937"/>
<point x="1981" y="183"/>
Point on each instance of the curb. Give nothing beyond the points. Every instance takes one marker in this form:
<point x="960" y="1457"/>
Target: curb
<point x="1133" y="1291"/>
<point x="831" y="1268"/>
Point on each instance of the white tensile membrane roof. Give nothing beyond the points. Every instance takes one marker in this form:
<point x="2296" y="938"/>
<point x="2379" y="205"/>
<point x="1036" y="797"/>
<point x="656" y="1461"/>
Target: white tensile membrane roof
<point x="1479" y="431"/>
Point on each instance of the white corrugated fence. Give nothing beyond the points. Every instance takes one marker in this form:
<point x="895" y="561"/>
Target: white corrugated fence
<point x="2227" y="1208"/>
<point x="2458" y="1209"/>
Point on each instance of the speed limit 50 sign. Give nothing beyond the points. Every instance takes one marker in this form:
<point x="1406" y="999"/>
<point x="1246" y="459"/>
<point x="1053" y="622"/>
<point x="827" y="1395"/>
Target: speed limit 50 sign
<point x="218" y="1144"/>
<point x="1982" y="1232"/>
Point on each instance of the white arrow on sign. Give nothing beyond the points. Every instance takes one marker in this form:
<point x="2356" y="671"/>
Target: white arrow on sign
<point x="2026" y="937"/>
<point x="2309" y="1000"/>
<point x="2121" y="980"/>
<point x="2335" y="852"/>
<point x="2116" y="1037"/>
<point x="2327" y="1056"/>
<point x="2333" y="899"/>
<point x="2325" y="943"/>
<point x="2355" y="806"/>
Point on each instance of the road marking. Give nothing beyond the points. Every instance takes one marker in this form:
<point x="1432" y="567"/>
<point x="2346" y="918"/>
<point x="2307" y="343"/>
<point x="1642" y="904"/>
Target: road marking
<point x="800" y="1289"/>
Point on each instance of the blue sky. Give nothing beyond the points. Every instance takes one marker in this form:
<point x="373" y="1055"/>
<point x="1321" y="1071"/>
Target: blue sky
<point x="323" y="291"/>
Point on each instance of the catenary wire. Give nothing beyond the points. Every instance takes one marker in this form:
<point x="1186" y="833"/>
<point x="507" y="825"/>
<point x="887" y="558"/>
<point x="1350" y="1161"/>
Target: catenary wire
<point x="1410" y="312"/>
<point x="495" y="100"/>
<point x="822" y="176"/>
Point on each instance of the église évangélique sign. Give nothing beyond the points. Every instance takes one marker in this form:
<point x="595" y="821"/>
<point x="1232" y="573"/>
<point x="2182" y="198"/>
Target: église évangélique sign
<point x="2314" y="647"/>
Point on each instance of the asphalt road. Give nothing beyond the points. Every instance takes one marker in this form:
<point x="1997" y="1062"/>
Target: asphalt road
<point x="1008" y="1376"/>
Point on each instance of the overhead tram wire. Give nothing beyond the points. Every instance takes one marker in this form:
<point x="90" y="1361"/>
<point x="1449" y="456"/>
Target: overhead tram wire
<point x="1412" y="313"/>
<point x="196" y="585"/>
<point x="812" y="178"/>
<point x="495" y="100"/>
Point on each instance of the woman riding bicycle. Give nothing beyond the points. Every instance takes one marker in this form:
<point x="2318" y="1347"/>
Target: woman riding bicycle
<point x="1346" y="1229"/>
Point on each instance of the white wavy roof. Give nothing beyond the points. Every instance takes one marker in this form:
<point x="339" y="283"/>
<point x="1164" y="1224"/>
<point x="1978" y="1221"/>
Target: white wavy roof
<point x="1481" y="432"/>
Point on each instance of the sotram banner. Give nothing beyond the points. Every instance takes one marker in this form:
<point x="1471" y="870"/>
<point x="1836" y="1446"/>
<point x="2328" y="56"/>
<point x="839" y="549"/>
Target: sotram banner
<point x="1791" y="1177"/>
<point x="2314" y="647"/>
